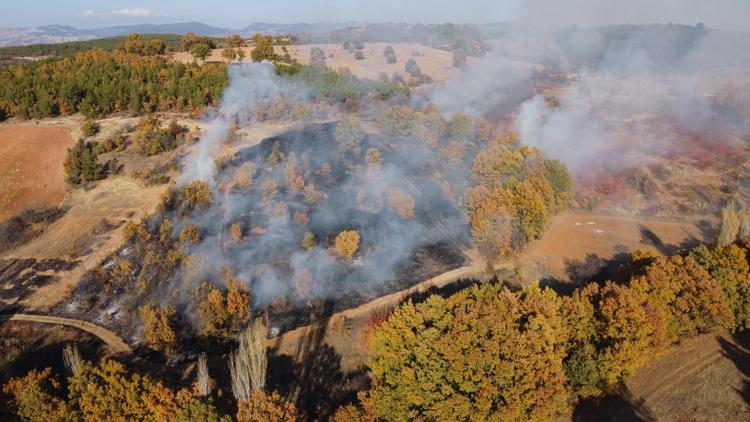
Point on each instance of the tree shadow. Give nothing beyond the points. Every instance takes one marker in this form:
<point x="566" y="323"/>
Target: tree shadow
<point x="311" y="375"/>
<point x="738" y="351"/>
<point x="648" y="237"/>
<point x="620" y="406"/>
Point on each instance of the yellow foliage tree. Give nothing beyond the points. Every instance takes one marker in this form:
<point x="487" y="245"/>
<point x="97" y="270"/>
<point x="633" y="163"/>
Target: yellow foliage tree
<point x="347" y="243"/>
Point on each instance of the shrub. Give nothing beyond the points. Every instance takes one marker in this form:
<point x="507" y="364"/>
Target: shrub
<point x="151" y="139"/>
<point x="412" y="68"/>
<point x="359" y="55"/>
<point x="373" y="157"/>
<point x="309" y="241"/>
<point x="89" y="127"/>
<point x="347" y="243"/>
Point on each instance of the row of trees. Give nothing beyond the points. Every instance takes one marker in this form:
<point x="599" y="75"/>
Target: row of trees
<point x="108" y="391"/>
<point x="99" y="82"/>
<point x="490" y="353"/>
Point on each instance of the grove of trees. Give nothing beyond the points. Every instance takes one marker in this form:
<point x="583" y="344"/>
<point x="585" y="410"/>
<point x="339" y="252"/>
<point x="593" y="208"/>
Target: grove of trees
<point x="491" y="353"/>
<point x="98" y="82"/>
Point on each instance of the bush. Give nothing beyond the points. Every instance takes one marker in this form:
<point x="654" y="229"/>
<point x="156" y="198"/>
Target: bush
<point x="151" y="139"/>
<point x="412" y="68"/>
<point x="309" y="241"/>
<point x="89" y="128"/>
<point x="359" y="55"/>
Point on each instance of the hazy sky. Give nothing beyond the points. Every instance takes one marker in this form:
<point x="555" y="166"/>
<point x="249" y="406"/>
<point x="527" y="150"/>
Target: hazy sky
<point x="731" y="14"/>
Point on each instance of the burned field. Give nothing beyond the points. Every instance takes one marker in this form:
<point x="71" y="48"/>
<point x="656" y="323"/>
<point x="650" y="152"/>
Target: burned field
<point x="256" y="219"/>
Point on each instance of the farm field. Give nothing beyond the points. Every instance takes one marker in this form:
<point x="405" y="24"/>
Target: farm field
<point x="31" y="169"/>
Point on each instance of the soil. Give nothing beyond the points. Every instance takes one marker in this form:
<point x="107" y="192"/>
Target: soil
<point x="578" y="246"/>
<point x="702" y="379"/>
<point x="31" y="169"/>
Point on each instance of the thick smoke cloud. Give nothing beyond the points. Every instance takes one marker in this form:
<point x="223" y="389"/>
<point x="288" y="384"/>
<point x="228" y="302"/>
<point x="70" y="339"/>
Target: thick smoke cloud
<point x="250" y="86"/>
<point x="608" y="87"/>
<point x="724" y="14"/>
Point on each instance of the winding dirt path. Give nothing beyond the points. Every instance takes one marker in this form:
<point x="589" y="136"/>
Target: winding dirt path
<point x="112" y="340"/>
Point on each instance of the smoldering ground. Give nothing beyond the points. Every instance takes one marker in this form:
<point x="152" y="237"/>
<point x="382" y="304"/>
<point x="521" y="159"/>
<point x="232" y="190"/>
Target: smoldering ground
<point x="319" y="187"/>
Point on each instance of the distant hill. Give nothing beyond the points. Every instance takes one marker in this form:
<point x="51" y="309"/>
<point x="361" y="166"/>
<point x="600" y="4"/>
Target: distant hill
<point x="51" y="34"/>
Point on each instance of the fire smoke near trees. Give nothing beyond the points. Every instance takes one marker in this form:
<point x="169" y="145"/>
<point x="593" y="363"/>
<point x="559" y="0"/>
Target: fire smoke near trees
<point x="269" y="197"/>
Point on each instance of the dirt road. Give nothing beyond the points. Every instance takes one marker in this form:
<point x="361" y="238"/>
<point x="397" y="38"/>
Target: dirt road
<point x="112" y="340"/>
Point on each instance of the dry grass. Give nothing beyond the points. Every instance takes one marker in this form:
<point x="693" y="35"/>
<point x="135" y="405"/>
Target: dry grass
<point x="436" y="63"/>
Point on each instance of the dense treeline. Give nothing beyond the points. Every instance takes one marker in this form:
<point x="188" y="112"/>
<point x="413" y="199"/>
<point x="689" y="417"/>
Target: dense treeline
<point x="69" y="48"/>
<point x="490" y="353"/>
<point x="99" y="82"/>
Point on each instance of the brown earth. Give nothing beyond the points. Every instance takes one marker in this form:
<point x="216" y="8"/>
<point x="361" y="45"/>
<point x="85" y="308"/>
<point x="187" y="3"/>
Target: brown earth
<point x="436" y="63"/>
<point x="86" y="234"/>
<point x="31" y="168"/>
<point x="573" y="242"/>
<point x="702" y="379"/>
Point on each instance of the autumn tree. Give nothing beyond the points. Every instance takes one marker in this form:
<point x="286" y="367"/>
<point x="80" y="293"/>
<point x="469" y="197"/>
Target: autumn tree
<point x="200" y="51"/>
<point x="224" y="313"/>
<point x="729" y="225"/>
<point x="460" y="127"/>
<point x="263" y="49"/>
<point x="348" y="133"/>
<point x="401" y="202"/>
<point x="684" y="297"/>
<point x="268" y="407"/>
<point x="35" y="397"/>
<point x="395" y="120"/>
<point x="159" y="327"/>
<point x="729" y="265"/>
<point x="611" y="334"/>
<point x="347" y="243"/>
<point x="89" y="127"/>
<point x="469" y="357"/>
<point x="229" y="54"/>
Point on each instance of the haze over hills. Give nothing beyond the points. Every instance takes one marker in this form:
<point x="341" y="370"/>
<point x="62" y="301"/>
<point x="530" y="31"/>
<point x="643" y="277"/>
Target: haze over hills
<point x="61" y="33"/>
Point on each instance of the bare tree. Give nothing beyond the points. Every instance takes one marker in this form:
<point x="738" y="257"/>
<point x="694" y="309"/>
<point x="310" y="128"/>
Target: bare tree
<point x="247" y="365"/>
<point x="72" y="358"/>
<point x="203" y="381"/>
<point x="729" y="226"/>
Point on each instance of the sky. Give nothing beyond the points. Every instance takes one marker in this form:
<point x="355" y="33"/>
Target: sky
<point x="727" y="14"/>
